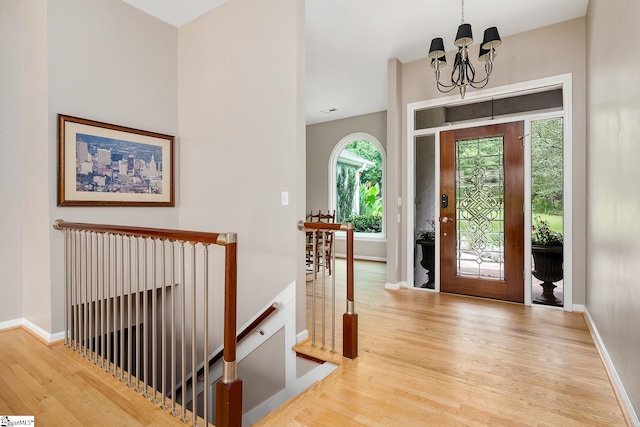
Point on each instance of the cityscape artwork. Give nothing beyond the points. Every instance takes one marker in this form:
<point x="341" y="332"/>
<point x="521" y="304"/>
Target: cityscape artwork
<point x="113" y="165"/>
<point x="103" y="164"/>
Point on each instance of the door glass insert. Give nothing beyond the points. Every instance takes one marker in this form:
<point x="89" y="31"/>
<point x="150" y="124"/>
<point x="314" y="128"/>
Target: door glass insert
<point x="480" y="208"/>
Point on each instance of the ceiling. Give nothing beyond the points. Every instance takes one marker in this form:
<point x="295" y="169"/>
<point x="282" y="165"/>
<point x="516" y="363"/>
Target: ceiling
<point x="349" y="41"/>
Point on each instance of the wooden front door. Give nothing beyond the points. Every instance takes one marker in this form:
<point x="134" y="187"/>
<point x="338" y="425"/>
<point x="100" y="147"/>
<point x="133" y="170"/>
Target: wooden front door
<point x="482" y="211"/>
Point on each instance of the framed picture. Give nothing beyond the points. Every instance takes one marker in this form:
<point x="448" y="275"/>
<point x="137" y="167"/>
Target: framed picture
<point x="100" y="164"/>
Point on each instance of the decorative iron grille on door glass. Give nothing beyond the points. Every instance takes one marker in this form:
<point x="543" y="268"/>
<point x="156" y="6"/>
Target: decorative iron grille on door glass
<point x="480" y="208"/>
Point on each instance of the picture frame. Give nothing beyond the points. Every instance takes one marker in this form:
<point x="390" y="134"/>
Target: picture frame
<point x="102" y="164"/>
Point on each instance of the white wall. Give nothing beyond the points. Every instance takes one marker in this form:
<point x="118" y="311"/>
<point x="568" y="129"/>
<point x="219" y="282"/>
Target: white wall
<point x="613" y="231"/>
<point x="242" y="135"/>
<point x="100" y="60"/>
<point x="242" y="97"/>
<point x="36" y="297"/>
<point x="11" y="189"/>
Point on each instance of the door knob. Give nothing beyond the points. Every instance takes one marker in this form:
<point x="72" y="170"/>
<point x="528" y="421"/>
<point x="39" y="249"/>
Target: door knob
<point x="445" y="219"/>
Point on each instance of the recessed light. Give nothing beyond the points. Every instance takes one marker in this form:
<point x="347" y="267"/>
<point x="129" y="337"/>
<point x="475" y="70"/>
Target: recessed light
<point x="330" y="110"/>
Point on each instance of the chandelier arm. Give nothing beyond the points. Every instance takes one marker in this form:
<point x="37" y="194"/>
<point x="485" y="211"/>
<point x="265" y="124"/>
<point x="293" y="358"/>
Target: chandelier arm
<point x="445" y="88"/>
<point x="441" y="86"/>
<point x="471" y="76"/>
<point x="458" y="66"/>
<point x="479" y="85"/>
<point x="488" y="68"/>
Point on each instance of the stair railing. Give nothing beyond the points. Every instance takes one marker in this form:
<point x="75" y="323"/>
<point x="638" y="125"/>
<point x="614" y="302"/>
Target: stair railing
<point x="318" y="233"/>
<point x="133" y="295"/>
<point x="253" y="326"/>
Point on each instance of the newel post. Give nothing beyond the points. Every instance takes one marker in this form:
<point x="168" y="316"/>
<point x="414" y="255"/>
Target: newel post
<point x="229" y="388"/>
<point x="350" y="318"/>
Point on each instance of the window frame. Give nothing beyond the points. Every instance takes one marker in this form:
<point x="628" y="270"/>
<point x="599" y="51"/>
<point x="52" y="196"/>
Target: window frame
<point x="333" y="165"/>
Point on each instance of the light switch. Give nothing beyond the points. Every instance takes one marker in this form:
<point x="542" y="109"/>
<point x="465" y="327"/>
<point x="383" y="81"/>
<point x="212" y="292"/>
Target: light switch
<point x="285" y="198"/>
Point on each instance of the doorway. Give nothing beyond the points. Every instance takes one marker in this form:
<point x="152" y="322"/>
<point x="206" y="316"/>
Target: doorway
<point x="482" y="211"/>
<point x="529" y="102"/>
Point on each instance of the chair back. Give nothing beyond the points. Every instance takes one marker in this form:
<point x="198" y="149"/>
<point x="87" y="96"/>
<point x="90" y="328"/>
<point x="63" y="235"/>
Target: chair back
<point x="324" y="240"/>
<point x="320" y="217"/>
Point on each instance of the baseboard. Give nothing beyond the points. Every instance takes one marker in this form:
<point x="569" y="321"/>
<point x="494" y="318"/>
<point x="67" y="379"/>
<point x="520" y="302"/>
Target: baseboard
<point x="627" y="408"/>
<point x="301" y="336"/>
<point x="393" y="286"/>
<point x="58" y="337"/>
<point x="34" y="329"/>
<point x="10" y="324"/>
<point x="579" y="308"/>
<point x="364" y="257"/>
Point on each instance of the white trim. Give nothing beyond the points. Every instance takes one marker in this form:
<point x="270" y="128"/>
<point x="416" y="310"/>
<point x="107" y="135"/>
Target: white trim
<point x="579" y="308"/>
<point x="301" y="336"/>
<point x="10" y="324"/>
<point x="613" y="374"/>
<point x="364" y="257"/>
<point x="333" y="162"/>
<point x="563" y="81"/>
<point x="486" y="94"/>
<point x="32" y="327"/>
<point x="58" y="336"/>
<point x="567" y="207"/>
<point x="362" y="237"/>
<point x="395" y="286"/>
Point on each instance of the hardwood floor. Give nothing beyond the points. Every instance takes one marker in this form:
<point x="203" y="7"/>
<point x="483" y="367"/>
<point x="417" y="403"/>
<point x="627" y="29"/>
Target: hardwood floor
<point x="61" y="388"/>
<point x="425" y="359"/>
<point x="430" y="359"/>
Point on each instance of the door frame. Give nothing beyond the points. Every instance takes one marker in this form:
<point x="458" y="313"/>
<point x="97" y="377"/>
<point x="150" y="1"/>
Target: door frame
<point x="563" y="81"/>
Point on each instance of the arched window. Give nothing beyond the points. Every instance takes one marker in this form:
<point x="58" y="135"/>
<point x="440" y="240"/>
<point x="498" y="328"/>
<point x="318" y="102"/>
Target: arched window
<point x="356" y="183"/>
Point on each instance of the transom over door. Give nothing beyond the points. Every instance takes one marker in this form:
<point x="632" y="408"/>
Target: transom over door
<point x="482" y="211"/>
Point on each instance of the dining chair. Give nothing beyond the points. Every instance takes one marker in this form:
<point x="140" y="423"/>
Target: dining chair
<point x="324" y="247"/>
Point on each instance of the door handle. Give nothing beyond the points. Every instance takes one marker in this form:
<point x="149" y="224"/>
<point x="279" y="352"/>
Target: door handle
<point x="445" y="219"/>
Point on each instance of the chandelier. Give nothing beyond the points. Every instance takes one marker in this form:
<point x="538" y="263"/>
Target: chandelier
<point x="464" y="74"/>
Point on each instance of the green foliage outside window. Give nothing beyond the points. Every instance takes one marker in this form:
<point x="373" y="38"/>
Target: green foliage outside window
<point x="366" y="223"/>
<point x="345" y="183"/>
<point x="371" y="200"/>
<point x="547" y="137"/>
<point x="546" y="166"/>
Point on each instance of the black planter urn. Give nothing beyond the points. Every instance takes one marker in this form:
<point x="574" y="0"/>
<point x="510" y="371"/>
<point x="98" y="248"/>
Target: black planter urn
<point x="547" y="266"/>
<point x="428" y="261"/>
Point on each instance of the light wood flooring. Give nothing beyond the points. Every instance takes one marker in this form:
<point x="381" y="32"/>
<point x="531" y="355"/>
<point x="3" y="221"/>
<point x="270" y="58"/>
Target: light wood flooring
<point x="429" y="359"/>
<point x="425" y="359"/>
<point x="61" y="388"/>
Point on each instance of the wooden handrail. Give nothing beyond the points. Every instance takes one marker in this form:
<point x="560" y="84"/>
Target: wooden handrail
<point x="308" y="226"/>
<point x="154" y="233"/>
